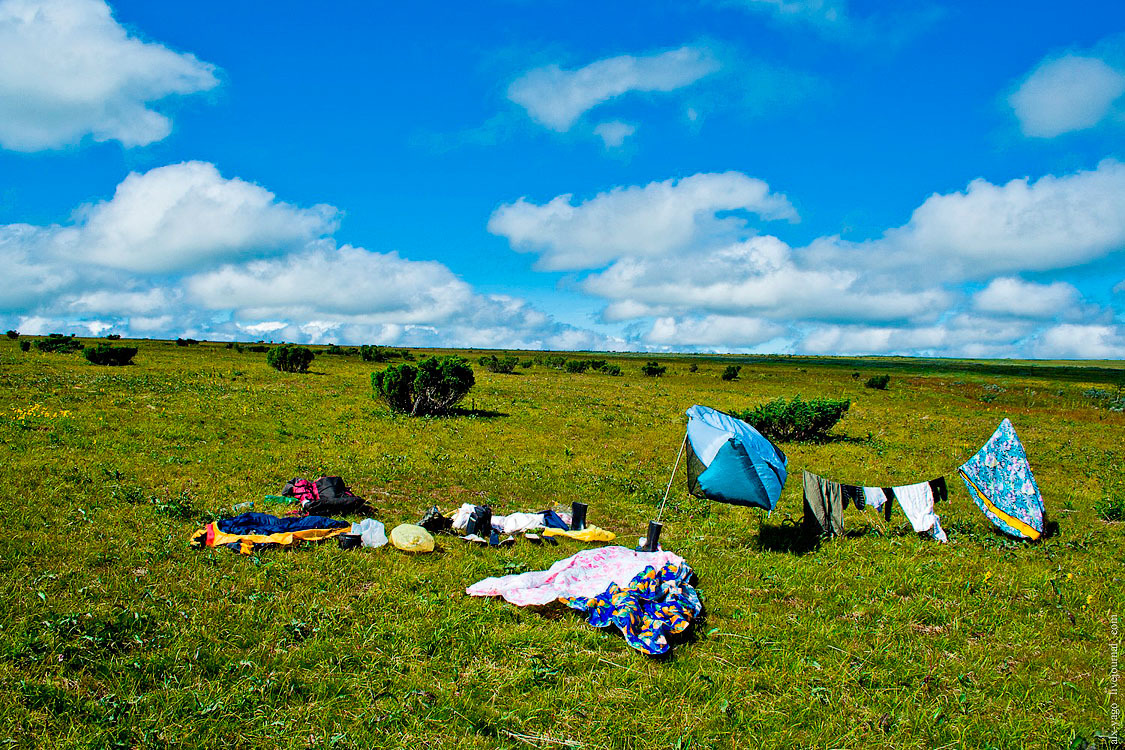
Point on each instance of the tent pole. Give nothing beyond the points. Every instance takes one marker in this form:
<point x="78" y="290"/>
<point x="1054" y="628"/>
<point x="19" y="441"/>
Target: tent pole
<point x="668" y="489"/>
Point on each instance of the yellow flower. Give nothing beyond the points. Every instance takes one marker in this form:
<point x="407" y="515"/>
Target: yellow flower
<point x="1070" y="576"/>
<point x="987" y="576"/>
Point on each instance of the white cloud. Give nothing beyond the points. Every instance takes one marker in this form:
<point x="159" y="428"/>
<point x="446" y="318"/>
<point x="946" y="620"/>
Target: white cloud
<point x="1012" y="296"/>
<point x="651" y="220"/>
<point x="727" y="332"/>
<point x="68" y="70"/>
<point x="614" y="132"/>
<point x="1077" y="341"/>
<point x="183" y="216"/>
<point x="556" y="98"/>
<point x="339" y="284"/>
<point x="1053" y="222"/>
<point x="1065" y="94"/>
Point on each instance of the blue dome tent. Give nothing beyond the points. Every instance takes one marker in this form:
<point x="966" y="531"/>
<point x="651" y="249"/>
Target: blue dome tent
<point x="730" y="462"/>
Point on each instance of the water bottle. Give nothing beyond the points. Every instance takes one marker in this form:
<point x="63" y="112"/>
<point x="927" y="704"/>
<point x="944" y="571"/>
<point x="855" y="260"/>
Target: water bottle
<point x="240" y="507"/>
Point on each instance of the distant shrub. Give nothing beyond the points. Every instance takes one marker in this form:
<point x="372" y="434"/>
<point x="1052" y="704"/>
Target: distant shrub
<point x="338" y="351"/>
<point x="612" y="370"/>
<point x="12" y="334"/>
<point x="229" y="345"/>
<point x="407" y="355"/>
<point x="653" y="369"/>
<point x="113" y="337"/>
<point x="505" y="365"/>
<point x="1111" y="508"/>
<point x="25" y="346"/>
<point x="855" y="376"/>
<point x="693" y="368"/>
<point x="784" y="421"/>
<point x="596" y="364"/>
<point x="256" y="348"/>
<point x="731" y="373"/>
<point x="878" y="382"/>
<point x="433" y="387"/>
<point x="526" y="363"/>
<point x="555" y="362"/>
<point x="577" y="366"/>
<point x="111" y="356"/>
<point x="290" y="358"/>
<point x="56" y="343"/>
<point x="374" y="353"/>
<point x="186" y="342"/>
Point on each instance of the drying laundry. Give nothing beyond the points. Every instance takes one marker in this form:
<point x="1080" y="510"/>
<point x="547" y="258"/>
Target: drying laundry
<point x="513" y="523"/>
<point x="585" y="574"/>
<point x="658" y="602"/>
<point x="250" y="531"/>
<point x="825" y="501"/>
<point x="1000" y="481"/>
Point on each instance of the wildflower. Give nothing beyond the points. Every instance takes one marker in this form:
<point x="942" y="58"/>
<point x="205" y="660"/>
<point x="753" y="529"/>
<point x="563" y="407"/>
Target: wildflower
<point x="1070" y="576"/>
<point x="987" y="576"/>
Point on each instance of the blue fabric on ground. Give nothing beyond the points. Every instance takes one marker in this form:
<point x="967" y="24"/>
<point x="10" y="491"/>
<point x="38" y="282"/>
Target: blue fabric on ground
<point x="656" y="603"/>
<point x="552" y="520"/>
<point x="264" y="523"/>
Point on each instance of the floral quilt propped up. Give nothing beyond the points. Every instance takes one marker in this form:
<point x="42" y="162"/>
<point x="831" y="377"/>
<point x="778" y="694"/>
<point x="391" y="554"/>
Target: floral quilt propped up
<point x="1000" y="481"/>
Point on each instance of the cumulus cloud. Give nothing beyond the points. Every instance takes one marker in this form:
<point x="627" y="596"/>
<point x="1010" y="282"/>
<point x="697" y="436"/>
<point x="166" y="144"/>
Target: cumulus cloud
<point x="555" y="97"/>
<point x="1013" y="296"/>
<point x="182" y="216"/>
<point x="711" y="331"/>
<point x="651" y="220"/>
<point x="1067" y="93"/>
<point x="68" y="70"/>
<point x="1050" y="223"/>
<point x="1079" y="341"/>
<point x="182" y="251"/>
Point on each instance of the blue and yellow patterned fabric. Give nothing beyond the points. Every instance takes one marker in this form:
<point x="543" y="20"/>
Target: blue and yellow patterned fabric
<point x="657" y="603"/>
<point x="1000" y="481"/>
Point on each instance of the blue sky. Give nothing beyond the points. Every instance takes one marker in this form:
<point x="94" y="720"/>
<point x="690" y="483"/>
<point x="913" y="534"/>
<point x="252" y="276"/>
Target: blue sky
<point x="805" y="176"/>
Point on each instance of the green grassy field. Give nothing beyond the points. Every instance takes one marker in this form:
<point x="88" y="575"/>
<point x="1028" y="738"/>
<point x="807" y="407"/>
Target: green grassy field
<point x="115" y="634"/>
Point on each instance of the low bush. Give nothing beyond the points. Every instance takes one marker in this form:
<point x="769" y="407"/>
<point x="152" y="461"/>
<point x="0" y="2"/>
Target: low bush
<point x="113" y="337"/>
<point x="526" y="363"/>
<point x="492" y="363"/>
<point x="374" y="353"/>
<point x="12" y="334"/>
<point x="555" y="362"/>
<point x="731" y="373"/>
<point x="110" y="356"/>
<point x="693" y="368"/>
<point x="56" y="343"/>
<point x="290" y="358"/>
<point x="431" y="388"/>
<point x="1111" y="507"/>
<point x="653" y="369"/>
<point x="186" y="342"/>
<point x="25" y="346"/>
<point x="596" y="364"/>
<point x="784" y="421"/>
<point x="612" y="370"/>
<point x="577" y="366"/>
<point x="878" y="382"/>
<point x="256" y="348"/>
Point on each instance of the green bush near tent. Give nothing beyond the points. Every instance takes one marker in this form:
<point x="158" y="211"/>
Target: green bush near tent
<point x="290" y="358"/>
<point x="731" y="373"/>
<point x="878" y="382"/>
<point x="797" y="419"/>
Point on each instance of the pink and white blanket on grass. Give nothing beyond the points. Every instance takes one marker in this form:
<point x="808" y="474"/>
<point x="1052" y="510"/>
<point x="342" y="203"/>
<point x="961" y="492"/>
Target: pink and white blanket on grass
<point x="587" y="573"/>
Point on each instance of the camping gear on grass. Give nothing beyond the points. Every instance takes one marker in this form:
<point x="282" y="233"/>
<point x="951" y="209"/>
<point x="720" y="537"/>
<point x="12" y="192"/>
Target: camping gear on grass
<point x="410" y="538"/>
<point x="999" y="480"/>
<point x="436" y="523"/>
<point x="372" y="533"/>
<point x="253" y="531"/>
<point x="578" y="516"/>
<point x="327" y="495"/>
<point x="731" y="462"/>
<point x="588" y="534"/>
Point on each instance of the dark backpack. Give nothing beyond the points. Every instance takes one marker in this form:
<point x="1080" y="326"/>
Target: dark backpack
<point x="328" y="496"/>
